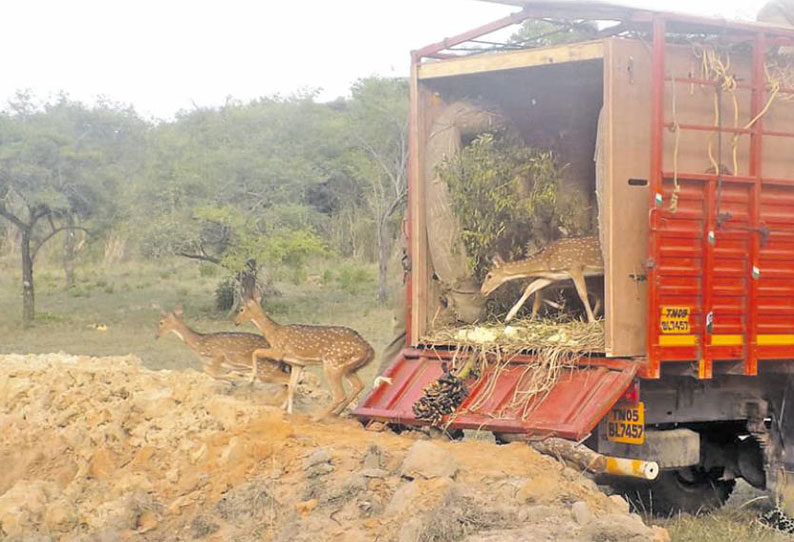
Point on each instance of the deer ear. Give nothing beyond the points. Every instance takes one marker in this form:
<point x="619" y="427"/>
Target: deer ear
<point x="497" y="261"/>
<point x="178" y="309"/>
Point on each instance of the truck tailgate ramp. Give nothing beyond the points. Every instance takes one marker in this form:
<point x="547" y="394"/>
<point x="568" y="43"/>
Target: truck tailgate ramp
<point x="581" y="398"/>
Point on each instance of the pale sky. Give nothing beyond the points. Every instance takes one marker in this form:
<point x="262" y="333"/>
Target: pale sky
<point x="165" y="55"/>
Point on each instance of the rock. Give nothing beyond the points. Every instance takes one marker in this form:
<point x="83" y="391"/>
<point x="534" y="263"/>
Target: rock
<point x="374" y="473"/>
<point x="318" y="456"/>
<point x="234" y="452"/>
<point x="619" y="527"/>
<point x="411" y="530"/>
<point x="201" y="527"/>
<point x="147" y="521"/>
<point x="21" y="506"/>
<point x="60" y="516"/>
<point x="419" y="494"/>
<point x="581" y="513"/>
<point x="660" y="534"/>
<point x="154" y="403"/>
<point x="319" y="470"/>
<point x="539" y="513"/>
<point x="306" y="507"/>
<point x="540" y="490"/>
<point x="373" y="459"/>
<point x="619" y="504"/>
<point x="102" y="464"/>
<point x="427" y="460"/>
<point x="402" y="498"/>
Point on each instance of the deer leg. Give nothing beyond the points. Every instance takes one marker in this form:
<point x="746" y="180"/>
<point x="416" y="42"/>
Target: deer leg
<point x="334" y="376"/>
<point x="213" y="369"/>
<point x="534" y="286"/>
<point x="269" y="353"/>
<point x="581" y="289"/>
<point x="597" y="305"/>
<point x="294" y="377"/>
<point x="536" y="303"/>
<point x="356" y="386"/>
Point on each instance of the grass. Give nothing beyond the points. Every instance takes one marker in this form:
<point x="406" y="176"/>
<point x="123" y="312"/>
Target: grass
<point x="128" y="299"/>
<point x="737" y="521"/>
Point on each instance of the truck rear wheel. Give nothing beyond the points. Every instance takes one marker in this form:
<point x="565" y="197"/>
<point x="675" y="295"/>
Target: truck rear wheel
<point x="691" y="490"/>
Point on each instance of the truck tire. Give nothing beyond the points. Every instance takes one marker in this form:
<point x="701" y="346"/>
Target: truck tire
<point x="691" y="490"/>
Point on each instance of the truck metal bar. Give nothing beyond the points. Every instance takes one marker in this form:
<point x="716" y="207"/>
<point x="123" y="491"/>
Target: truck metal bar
<point x="726" y="129"/>
<point x="652" y="369"/>
<point x="705" y="177"/>
<point x="707" y="82"/>
<point x="435" y="48"/>
<point x="756" y="162"/>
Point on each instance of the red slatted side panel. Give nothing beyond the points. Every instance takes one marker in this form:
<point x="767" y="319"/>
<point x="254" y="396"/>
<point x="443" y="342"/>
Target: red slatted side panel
<point x="776" y="282"/>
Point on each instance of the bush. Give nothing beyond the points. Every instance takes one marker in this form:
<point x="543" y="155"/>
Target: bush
<point x="353" y="278"/>
<point x="224" y="294"/>
<point x="79" y="291"/>
<point x="208" y="270"/>
<point x="508" y="197"/>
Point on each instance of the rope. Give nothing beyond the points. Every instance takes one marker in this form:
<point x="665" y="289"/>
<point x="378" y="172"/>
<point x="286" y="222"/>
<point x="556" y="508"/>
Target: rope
<point x="677" y="130"/>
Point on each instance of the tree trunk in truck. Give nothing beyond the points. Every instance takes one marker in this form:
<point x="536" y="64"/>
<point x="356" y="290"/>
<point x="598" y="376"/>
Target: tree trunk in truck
<point x="28" y="298"/>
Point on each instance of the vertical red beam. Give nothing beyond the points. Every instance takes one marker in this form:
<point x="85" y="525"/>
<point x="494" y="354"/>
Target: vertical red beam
<point x="756" y="159"/>
<point x="652" y="369"/>
<point x="706" y="361"/>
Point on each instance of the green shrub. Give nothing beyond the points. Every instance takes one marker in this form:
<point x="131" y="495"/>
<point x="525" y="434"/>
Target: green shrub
<point x="327" y="277"/>
<point x="79" y="291"/>
<point x="508" y="197"/>
<point x="207" y="269"/>
<point x="224" y="294"/>
<point x="109" y="289"/>
<point x="49" y="318"/>
<point x="353" y="278"/>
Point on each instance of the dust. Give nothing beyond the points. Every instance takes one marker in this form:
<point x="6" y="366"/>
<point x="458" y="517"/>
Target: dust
<point x="104" y="449"/>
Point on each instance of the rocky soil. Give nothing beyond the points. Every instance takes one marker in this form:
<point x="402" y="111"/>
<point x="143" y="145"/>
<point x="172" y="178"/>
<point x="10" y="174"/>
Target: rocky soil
<point x="102" y="449"/>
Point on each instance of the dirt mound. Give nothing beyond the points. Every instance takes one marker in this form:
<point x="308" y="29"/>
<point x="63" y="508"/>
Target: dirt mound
<point x="103" y="449"/>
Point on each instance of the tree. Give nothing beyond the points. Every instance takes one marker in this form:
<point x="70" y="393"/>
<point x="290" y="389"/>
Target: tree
<point x="546" y="32"/>
<point x="232" y="186"/>
<point x="378" y="134"/>
<point x="51" y="176"/>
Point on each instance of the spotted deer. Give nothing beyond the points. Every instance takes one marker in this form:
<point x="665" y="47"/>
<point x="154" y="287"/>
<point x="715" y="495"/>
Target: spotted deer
<point x="224" y="353"/>
<point x="572" y="258"/>
<point x="340" y="350"/>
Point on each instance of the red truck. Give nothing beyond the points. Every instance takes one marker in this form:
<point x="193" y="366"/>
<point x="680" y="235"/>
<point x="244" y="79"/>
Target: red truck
<point x="691" y="121"/>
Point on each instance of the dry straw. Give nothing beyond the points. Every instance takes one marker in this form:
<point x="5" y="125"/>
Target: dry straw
<point x="553" y="347"/>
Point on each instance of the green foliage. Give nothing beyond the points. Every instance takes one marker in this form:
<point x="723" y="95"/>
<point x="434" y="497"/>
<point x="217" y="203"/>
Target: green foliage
<point x="224" y="294"/>
<point x="250" y="239"/>
<point x="352" y="278"/>
<point x="506" y="196"/>
<point x="279" y="179"/>
<point x="208" y="270"/>
<point x="543" y="33"/>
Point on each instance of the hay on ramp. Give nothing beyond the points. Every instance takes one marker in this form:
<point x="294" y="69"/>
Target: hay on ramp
<point x="552" y="346"/>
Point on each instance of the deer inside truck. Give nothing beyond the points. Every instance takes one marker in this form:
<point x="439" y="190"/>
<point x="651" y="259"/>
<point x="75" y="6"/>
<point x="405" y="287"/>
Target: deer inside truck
<point x="673" y="136"/>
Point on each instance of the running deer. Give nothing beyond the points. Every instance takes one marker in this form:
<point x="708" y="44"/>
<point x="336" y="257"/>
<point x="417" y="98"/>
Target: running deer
<point x="222" y="353"/>
<point x="573" y="258"/>
<point x="340" y="350"/>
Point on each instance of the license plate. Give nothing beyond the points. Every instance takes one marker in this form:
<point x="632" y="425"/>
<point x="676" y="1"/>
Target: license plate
<point x="626" y="423"/>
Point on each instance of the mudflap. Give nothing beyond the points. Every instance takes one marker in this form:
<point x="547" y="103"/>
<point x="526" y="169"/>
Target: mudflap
<point x="571" y="409"/>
